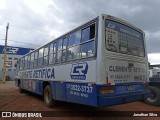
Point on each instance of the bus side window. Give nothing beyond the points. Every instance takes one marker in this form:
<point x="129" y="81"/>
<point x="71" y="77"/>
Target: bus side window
<point x="65" y="41"/>
<point x="51" y="48"/>
<point x="87" y="49"/>
<point x="73" y="46"/>
<point x="88" y="42"/>
<point x="20" y="63"/>
<point x="54" y="52"/>
<point x="28" y="60"/>
<point x="35" y="59"/>
<point x="31" y="60"/>
<point x="59" y="50"/>
<point x="73" y="52"/>
<point x="40" y="56"/>
<point x="45" y="56"/>
<point x="25" y="62"/>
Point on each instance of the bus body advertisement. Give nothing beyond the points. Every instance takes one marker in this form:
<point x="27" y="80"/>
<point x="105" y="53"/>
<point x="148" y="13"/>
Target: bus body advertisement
<point x="103" y="62"/>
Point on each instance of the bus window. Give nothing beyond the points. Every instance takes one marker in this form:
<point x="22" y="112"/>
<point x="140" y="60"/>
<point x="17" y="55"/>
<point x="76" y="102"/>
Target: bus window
<point x="74" y="38"/>
<point x="59" y="44"/>
<point x="88" y="42"/>
<point x="54" y="52"/>
<point x="73" y="52"/>
<point x="92" y="31"/>
<point x="64" y="52"/>
<point x="87" y="49"/>
<point x="51" y="48"/>
<point x="20" y="64"/>
<point x="59" y="54"/>
<point x="45" y="56"/>
<point x="32" y="60"/>
<point x="59" y="51"/>
<point x="85" y="34"/>
<point x="35" y="59"/>
<point x="25" y="62"/>
<point x="28" y="60"/>
<point x="73" y="47"/>
<point x="88" y="33"/>
<point x="40" y="57"/>
<point x="123" y="39"/>
<point x="65" y="40"/>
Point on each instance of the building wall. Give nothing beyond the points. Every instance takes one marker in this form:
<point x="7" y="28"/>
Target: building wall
<point x="13" y="53"/>
<point x="10" y="64"/>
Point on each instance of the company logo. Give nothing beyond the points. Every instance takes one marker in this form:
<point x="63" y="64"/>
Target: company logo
<point x="21" y="114"/>
<point x="11" y="50"/>
<point x="6" y="114"/>
<point x="79" y="71"/>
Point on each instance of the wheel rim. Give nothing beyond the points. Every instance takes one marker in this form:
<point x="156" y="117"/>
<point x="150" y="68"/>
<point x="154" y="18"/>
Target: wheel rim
<point x="153" y="97"/>
<point x="47" y="96"/>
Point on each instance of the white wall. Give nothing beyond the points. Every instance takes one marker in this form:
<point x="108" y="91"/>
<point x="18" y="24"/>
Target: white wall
<point x="9" y="70"/>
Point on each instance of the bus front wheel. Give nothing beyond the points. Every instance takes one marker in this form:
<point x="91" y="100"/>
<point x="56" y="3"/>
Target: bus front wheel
<point x="47" y="95"/>
<point x="155" y="96"/>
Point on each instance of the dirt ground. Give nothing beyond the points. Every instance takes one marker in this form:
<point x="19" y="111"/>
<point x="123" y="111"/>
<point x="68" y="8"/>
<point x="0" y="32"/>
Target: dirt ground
<point x="13" y="101"/>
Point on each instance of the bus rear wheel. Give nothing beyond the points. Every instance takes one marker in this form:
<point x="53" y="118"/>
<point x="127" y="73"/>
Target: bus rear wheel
<point x="154" y="99"/>
<point x="47" y="96"/>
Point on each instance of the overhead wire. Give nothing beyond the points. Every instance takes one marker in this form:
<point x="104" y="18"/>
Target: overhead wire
<point x="22" y="42"/>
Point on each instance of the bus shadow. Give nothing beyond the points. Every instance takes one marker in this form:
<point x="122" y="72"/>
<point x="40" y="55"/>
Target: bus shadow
<point x="67" y="109"/>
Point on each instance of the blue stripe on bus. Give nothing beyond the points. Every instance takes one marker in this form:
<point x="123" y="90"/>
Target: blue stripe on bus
<point x="58" y="91"/>
<point x="39" y="87"/>
<point x="83" y="93"/>
<point x="105" y="100"/>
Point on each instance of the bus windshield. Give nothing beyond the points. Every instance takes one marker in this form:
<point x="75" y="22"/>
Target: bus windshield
<point x="123" y="39"/>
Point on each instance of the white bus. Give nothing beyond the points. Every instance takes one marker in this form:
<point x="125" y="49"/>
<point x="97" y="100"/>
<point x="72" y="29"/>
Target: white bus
<point x="100" y="63"/>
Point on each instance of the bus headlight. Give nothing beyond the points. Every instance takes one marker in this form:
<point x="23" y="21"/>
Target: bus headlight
<point x="106" y="90"/>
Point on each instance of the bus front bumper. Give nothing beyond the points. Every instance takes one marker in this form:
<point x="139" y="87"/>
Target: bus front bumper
<point x="105" y="100"/>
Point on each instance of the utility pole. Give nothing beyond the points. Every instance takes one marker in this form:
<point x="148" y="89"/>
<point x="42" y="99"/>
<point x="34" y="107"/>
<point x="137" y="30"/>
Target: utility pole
<point x="4" y="58"/>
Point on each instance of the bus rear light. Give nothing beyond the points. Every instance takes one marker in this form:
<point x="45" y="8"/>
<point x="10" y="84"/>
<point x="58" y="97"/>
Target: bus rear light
<point x="92" y="84"/>
<point x="106" y="90"/>
<point x="107" y="81"/>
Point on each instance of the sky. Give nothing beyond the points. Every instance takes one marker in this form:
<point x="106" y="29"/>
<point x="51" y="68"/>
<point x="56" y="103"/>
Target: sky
<point x="36" y="22"/>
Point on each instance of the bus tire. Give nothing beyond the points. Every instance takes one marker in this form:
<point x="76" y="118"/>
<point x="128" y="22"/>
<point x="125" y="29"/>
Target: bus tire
<point x="47" y="96"/>
<point x="155" y="96"/>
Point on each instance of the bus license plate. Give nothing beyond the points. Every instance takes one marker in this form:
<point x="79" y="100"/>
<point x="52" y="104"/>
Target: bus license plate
<point x="130" y="87"/>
